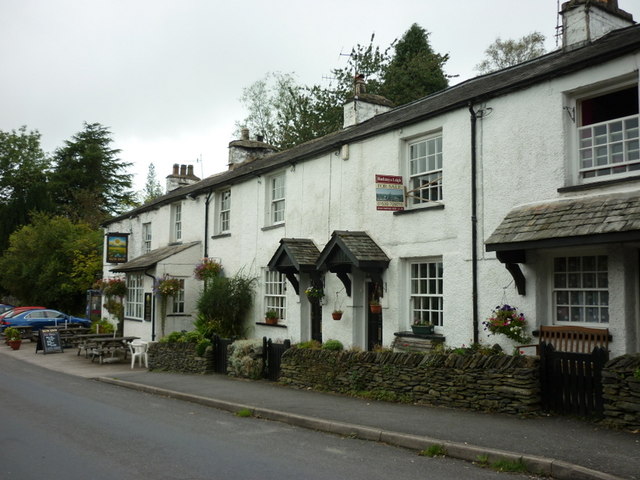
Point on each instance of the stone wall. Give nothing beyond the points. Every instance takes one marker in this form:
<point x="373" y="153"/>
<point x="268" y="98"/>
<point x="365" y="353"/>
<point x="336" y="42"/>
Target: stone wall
<point x="494" y="383"/>
<point x="621" y="391"/>
<point x="179" y="357"/>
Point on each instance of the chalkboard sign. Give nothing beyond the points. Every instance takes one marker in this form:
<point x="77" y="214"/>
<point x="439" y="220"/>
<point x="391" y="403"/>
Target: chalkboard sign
<point x="49" y="341"/>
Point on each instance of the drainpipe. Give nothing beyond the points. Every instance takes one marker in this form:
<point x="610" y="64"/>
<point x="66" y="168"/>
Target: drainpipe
<point x="207" y="200"/>
<point x="474" y="223"/>
<point x="153" y="309"/>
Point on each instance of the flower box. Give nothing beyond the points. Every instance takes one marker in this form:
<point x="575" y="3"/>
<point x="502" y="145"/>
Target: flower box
<point x="422" y="329"/>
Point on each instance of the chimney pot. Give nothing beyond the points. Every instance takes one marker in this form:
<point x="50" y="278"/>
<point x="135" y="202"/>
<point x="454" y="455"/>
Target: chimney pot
<point x="176" y="168"/>
<point x="244" y="134"/>
<point x="183" y="170"/>
<point x="189" y="170"/>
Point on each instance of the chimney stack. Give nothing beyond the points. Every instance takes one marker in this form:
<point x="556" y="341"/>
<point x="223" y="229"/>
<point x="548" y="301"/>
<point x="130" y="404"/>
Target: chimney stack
<point x="363" y="106"/>
<point x="585" y="21"/>
<point x="182" y="176"/>
<point x="246" y="150"/>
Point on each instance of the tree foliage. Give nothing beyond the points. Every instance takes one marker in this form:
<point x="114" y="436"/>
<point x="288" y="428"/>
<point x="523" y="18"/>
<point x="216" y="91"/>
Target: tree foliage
<point x="506" y="53"/>
<point x="52" y="262"/>
<point x="152" y="189"/>
<point x="89" y="182"/>
<point x="23" y="180"/>
<point x="415" y="70"/>
<point x="288" y="114"/>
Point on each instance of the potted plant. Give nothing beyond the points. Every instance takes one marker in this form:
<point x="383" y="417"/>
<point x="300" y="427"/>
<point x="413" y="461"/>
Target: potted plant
<point x="12" y="337"/>
<point x="271" y="317"/>
<point x="336" y="314"/>
<point x="375" y="307"/>
<point x="421" y="327"/>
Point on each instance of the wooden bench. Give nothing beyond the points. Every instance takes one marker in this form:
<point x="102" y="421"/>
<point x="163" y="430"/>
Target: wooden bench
<point x="572" y="339"/>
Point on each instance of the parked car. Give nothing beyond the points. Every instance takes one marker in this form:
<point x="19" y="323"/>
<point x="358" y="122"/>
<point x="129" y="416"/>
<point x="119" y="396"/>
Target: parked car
<point x="4" y="307"/>
<point x="42" y="318"/>
<point x="16" y="310"/>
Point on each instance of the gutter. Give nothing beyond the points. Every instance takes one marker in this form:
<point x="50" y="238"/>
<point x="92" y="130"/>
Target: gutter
<point x="474" y="223"/>
<point x="207" y="200"/>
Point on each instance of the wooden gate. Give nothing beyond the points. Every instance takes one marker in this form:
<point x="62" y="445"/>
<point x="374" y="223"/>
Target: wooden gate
<point x="220" y="353"/>
<point x="571" y="383"/>
<point x="272" y="355"/>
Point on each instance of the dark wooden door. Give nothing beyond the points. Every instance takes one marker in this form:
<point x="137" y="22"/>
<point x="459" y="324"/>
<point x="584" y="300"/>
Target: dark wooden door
<point x="374" y="320"/>
<point x="316" y="321"/>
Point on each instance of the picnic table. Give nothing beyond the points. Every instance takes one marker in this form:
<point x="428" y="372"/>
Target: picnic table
<point x="85" y="341"/>
<point x="110" y="345"/>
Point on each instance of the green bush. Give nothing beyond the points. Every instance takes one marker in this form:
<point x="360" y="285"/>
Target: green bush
<point x="224" y="305"/>
<point x="102" y="326"/>
<point x="309" y="345"/>
<point x="334" y="345"/>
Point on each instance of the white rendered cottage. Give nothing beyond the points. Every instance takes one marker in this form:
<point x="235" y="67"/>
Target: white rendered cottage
<point x="524" y="190"/>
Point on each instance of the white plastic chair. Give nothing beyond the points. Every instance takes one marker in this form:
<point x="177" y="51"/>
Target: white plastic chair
<point x="139" y="349"/>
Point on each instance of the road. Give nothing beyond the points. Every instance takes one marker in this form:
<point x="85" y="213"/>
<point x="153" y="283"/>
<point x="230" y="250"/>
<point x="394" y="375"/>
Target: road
<point x="59" y="426"/>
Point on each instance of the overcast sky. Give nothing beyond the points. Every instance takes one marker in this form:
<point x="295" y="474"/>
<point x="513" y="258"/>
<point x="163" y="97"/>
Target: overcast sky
<point x="166" y="76"/>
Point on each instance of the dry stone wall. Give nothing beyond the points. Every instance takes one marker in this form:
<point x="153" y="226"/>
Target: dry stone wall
<point x="493" y="383"/>
<point x="179" y="357"/>
<point x="621" y="392"/>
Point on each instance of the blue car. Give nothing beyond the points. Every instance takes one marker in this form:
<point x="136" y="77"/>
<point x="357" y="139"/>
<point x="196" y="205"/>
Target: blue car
<point x="38" y="319"/>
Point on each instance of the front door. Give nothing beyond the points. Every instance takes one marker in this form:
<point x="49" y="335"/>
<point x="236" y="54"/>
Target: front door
<point x="316" y="321"/>
<point x="374" y="320"/>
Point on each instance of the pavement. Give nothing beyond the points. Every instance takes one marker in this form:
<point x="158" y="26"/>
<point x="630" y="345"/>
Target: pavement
<point x="556" y="446"/>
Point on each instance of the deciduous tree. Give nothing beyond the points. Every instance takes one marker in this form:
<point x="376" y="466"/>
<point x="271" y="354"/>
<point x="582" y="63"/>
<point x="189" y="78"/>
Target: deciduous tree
<point x="52" y="262"/>
<point x="23" y="180"/>
<point x="506" y="53"/>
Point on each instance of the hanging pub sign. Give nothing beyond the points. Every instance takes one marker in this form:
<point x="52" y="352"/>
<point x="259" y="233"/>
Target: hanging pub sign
<point x="117" y="247"/>
<point x="389" y="192"/>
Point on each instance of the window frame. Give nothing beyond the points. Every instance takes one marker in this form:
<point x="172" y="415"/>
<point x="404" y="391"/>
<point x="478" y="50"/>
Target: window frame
<point x="434" y="176"/>
<point x="177" y="301"/>
<point x="415" y="278"/>
<point x="275" y="293"/>
<point x="134" y="303"/>
<point x="578" y="141"/>
<point x="573" y="293"/>
<point x="275" y="214"/>
<point x="146" y="237"/>
<point x="176" y="222"/>
<point x="223" y="213"/>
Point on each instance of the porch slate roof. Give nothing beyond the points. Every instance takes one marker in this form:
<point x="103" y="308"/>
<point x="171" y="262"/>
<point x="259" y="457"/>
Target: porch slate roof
<point x="150" y="259"/>
<point x="300" y="254"/>
<point x="585" y="220"/>
<point x="358" y="248"/>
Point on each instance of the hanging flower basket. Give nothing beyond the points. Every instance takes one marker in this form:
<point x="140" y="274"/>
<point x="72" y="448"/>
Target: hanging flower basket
<point x="337" y="314"/>
<point x="375" y="307"/>
<point x="314" y="294"/>
<point x="506" y="320"/>
<point x="207" y="269"/>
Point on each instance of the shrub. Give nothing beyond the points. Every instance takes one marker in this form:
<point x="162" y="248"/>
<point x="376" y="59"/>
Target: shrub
<point x="102" y="326"/>
<point x="310" y="345"/>
<point x="333" y="345"/>
<point x="224" y="305"/>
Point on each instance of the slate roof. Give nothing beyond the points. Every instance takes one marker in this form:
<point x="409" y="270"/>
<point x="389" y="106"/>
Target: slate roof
<point x="150" y="259"/>
<point x="577" y="221"/>
<point x="358" y="247"/>
<point x="300" y="253"/>
<point x="476" y="90"/>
